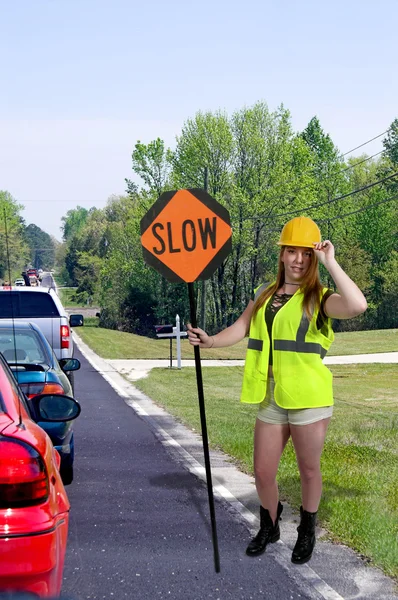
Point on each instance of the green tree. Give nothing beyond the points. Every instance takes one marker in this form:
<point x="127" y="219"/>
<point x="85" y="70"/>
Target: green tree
<point x="73" y="222"/>
<point x="390" y="143"/>
<point x="264" y="173"/>
<point x="388" y="166"/>
<point x="273" y="173"/>
<point x="41" y="246"/>
<point x="205" y="141"/>
<point x="152" y="163"/>
<point x="14" y="252"/>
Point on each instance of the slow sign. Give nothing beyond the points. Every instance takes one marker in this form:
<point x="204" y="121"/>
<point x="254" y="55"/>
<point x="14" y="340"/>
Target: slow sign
<point x="186" y="235"/>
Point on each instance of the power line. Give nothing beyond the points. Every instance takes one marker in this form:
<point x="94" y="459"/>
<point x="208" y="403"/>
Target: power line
<point x="359" y="210"/>
<point x="313" y="183"/>
<point x="341" y="156"/>
<point x="368" y="142"/>
<point x="331" y="201"/>
<point x="361" y="161"/>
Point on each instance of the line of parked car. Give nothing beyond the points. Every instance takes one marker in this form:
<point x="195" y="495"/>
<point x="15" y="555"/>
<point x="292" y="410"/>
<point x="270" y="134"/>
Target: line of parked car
<point x="37" y="410"/>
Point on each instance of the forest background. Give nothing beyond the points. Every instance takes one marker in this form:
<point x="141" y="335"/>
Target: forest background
<point x="264" y="173"/>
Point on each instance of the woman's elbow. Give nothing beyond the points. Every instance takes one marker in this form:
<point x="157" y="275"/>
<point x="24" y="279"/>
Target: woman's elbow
<point x="359" y="307"/>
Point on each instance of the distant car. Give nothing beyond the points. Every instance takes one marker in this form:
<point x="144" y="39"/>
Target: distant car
<point x="18" y="282"/>
<point x="34" y="282"/>
<point x="34" y="507"/>
<point x="38" y="371"/>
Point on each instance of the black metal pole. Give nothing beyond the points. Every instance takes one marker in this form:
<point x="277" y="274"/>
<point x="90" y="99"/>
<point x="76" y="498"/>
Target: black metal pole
<point x="204" y="282"/>
<point x="199" y="382"/>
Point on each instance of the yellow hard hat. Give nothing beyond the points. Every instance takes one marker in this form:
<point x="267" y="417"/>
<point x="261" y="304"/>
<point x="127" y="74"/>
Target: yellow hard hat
<point x="300" y="231"/>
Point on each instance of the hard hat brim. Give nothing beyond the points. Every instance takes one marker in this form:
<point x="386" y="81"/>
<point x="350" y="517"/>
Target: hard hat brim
<point x="294" y="244"/>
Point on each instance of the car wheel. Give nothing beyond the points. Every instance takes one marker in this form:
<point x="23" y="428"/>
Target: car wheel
<point x="71" y="376"/>
<point x="67" y="474"/>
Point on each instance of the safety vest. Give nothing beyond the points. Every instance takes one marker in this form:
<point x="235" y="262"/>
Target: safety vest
<point x="301" y="378"/>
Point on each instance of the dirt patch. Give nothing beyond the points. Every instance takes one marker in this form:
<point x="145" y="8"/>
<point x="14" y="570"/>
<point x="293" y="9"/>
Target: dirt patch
<point x="86" y="311"/>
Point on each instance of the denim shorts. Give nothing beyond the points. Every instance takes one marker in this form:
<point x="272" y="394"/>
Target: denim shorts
<point x="270" y="412"/>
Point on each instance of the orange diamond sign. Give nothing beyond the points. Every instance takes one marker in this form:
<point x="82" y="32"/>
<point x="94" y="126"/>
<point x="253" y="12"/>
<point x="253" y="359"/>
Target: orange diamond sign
<point x="186" y="235"/>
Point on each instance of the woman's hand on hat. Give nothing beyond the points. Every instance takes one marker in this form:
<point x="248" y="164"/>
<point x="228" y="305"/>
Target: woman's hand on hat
<point x="324" y="251"/>
<point x="198" y="337"/>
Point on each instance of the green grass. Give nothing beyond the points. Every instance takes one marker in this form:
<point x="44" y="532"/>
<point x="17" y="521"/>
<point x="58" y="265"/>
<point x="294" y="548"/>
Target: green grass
<point x="90" y="322"/>
<point x="117" y="344"/>
<point x="360" y="459"/>
<point x="66" y="296"/>
<point x="365" y="342"/>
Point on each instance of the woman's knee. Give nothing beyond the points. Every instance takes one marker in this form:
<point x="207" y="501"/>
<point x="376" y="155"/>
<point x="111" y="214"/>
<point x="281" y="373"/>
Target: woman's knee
<point x="310" y="473"/>
<point x="264" y="475"/>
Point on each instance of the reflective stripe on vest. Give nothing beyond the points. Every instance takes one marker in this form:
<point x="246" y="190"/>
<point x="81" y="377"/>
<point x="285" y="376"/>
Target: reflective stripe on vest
<point x="299" y="345"/>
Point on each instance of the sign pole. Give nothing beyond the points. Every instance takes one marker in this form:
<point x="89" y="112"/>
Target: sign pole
<point x="199" y="382"/>
<point x="203" y="286"/>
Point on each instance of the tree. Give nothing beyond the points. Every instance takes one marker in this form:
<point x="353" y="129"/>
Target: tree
<point x="390" y="143"/>
<point x="389" y="165"/>
<point x="264" y="173"/>
<point x="14" y="252"/>
<point x="205" y="141"/>
<point x="271" y="168"/>
<point x="152" y="163"/>
<point x="41" y="246"/>
<point x="73" y="222"/>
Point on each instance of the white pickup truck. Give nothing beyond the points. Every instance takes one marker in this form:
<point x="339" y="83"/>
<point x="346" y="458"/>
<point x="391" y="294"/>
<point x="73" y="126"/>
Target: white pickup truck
<point x="42" y="306"/>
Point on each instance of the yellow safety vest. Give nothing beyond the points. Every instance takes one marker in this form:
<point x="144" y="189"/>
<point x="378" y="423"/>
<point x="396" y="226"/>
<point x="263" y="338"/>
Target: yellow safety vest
<point x="301" y="378"/>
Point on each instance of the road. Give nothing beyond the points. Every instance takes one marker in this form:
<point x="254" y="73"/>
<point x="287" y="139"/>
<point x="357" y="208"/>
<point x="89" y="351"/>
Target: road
<point x="140" y="526"/>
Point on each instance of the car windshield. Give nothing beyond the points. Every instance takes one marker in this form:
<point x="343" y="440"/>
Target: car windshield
<point x="26" y="305"/>
<point x="25" y="347"/>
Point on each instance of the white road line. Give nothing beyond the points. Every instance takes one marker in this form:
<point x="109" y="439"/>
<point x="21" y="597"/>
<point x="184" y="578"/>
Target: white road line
<point x="311" y="578"/>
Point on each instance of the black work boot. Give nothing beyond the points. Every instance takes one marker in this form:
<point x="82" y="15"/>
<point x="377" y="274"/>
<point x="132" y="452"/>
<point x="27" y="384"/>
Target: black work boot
<point x="268" y="534"/>
<point x="304" y="547"/>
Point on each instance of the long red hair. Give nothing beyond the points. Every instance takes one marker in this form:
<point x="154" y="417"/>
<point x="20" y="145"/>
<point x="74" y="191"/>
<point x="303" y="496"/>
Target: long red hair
<point x="311" y="286"/>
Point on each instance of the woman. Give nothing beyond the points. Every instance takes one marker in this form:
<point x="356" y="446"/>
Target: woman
<point x="289" y="325"/>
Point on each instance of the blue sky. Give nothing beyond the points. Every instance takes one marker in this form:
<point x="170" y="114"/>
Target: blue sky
<point x="83" y="80"/>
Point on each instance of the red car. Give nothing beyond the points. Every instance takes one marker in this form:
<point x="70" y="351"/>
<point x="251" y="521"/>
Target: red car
<point x="34" y="507"/>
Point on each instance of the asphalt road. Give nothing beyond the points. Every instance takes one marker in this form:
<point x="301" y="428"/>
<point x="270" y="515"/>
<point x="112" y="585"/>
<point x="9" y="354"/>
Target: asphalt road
<point x="140" y="525"/>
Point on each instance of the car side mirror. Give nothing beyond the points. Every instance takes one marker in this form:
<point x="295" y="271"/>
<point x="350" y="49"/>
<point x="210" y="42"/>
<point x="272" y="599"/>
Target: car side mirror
<point x="69" y="364"/>
<point x="56" y="407"/>
<point x="76" y="320"/>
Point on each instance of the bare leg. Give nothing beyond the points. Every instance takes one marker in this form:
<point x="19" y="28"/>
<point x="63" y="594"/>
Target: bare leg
<point x="308" y="441"/>
<point x="269" y="443"/>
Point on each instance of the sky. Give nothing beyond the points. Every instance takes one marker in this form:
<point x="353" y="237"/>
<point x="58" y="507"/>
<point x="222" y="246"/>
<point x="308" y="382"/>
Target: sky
<point x="83" y="80"/>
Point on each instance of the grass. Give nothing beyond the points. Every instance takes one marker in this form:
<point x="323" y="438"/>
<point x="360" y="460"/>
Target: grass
<point x="90" y="322"/>
<point x="117" y="344"/>
<point x="360" y="459"/>
<point x="66" y="296"/>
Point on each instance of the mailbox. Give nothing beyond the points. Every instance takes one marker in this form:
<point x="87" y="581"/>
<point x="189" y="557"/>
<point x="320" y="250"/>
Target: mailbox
<point x="168" y="331"/>
<point x="164" y="330"/>
<point x="171" y="332"/>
